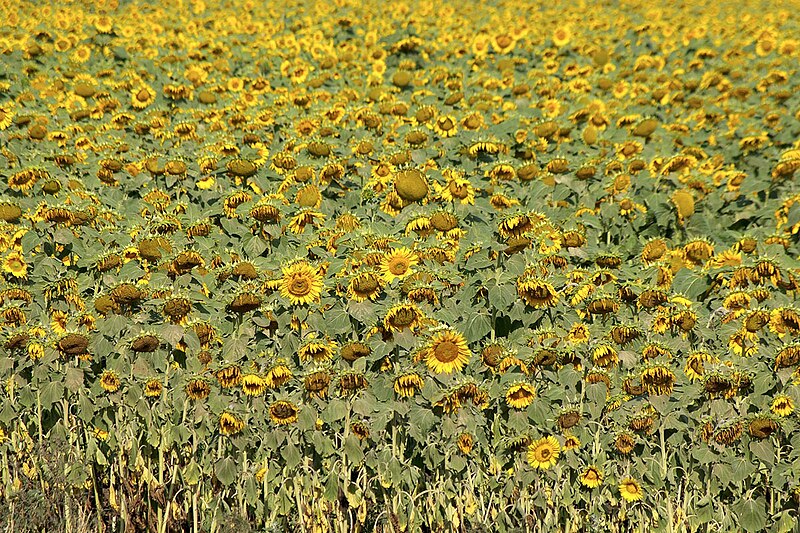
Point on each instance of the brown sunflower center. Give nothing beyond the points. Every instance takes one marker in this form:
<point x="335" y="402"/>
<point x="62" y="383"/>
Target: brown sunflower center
<point x="142" y="95"/>
<point x="299" y="286"/>
<point x="398" y="266"/>
<point x="459" y="191"/>
<point x="283" y="411"/>
<point x="446" y="351"/>
<point x="521" y="394"/>
<point x="366" y="285"/>
<point x="504" y="41"/>
<point x="544" y="454"/>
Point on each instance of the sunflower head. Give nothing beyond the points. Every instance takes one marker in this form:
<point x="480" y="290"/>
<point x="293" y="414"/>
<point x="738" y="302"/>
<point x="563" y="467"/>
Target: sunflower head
<point x="446" y="352"/>
<point x="544" y="452"/>
<point x="301" y="283"/>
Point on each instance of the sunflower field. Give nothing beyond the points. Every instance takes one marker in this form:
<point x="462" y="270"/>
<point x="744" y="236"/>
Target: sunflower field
<point x="359" y="266"/>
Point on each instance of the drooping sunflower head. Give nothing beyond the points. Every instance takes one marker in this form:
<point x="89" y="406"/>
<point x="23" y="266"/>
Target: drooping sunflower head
<point x="782" y="405"/>
<point x="446" y="352"/>
<point x="520" y="395"/>
<point x="402" y="316"/>
<point x="591" y="477"/>
<point x="364" y="286"/>
<point x="465" y="443"/>
<point x="110" y="381"/>
<point x="536" y="292"/>
<point x="408" y="384"/>
<point x="317" y="349"/>
<point x="153" y="388"/>
<point x="230" y="424"/>
<point x="253" y="385"/>
<point x="630" y="489"/>
<point x="283" y="412"/>
<point x="316" y="383"/>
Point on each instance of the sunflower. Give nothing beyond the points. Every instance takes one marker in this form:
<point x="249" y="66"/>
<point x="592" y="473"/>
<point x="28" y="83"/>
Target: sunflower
<point x="6" y="116"/>
<point x="446" y="352"/>
<point x="364" y="286"/>
<point x="142" y="96"/>
<point x="360" y="430"/>
<point x="457" y="189"/>
<point x="230" y="376"/>
<point x="317" y="383"/>
<point x="402" y="316"/>
<point x="446" y="126"/>
<point x="15" y="265"/>
<point x="571" y="442"/>
<point x="465" y="443"/>
<point x="153" y="388"/>
<point x="278" y="375"/>
<point x="253" y="385"/>
<point x="591" y="477"/>
<point x="283" y="412"/>
<point x="520" y="395"/>
<point x="544" y="452"/>
<point x="630" y="490"/>
<point x="562" y="36"/>
<point x="301" y="283"/>
<point x="24" y="180"/>
<point x="782" y="405"/>
<point x="317" y="350"/>
<point x="110" y="381"/>
<point x="354" y="350"/>
<point x="398" y="264"/>
<point x="763" y="425"/>
<point x="536" y="292"/>
<point x="406" y="385"/>
<point x="230" y="424"/>
<point x="198" y="389"/>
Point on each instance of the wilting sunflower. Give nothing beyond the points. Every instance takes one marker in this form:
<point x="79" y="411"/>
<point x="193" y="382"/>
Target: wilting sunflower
<point x="763" y="425"/>
<point x="536" y="292"/>
<point x="591" y="477"/>
<point x="398" y="264"/>
<point x="630" y="490"/>
<point x="520" y="395"/>
<point x="465" y="443"/>
<point x="278" y="375"/>
<point x="153" y="388"/>
<point x="110" y="381"/>
<point x="401" y="316"/>
<point x="198" y="389"/>
<point x="301" y="283"/>
<point x="316" y="349"/>
<point x="446" y="352"/>
<point x="363" y="286"/>
<point x="571" y="442"/>
<point x="15" y="265"/>
<point x="782" y="405"/>
<point x="544" y="452"/>
<point x="253" y="385"/>
<point x="230" y="424"/>
<point x="283" y="412"/>
<point x="406" y="385"/>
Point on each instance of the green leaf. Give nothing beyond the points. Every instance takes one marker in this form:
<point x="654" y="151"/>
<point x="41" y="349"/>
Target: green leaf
<point x="51" y="393"/>
<point x="226" y="470"/>
<point x="192" y="473"/>
<point x="352" y="450"/>
<point x="751" y="514"/>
